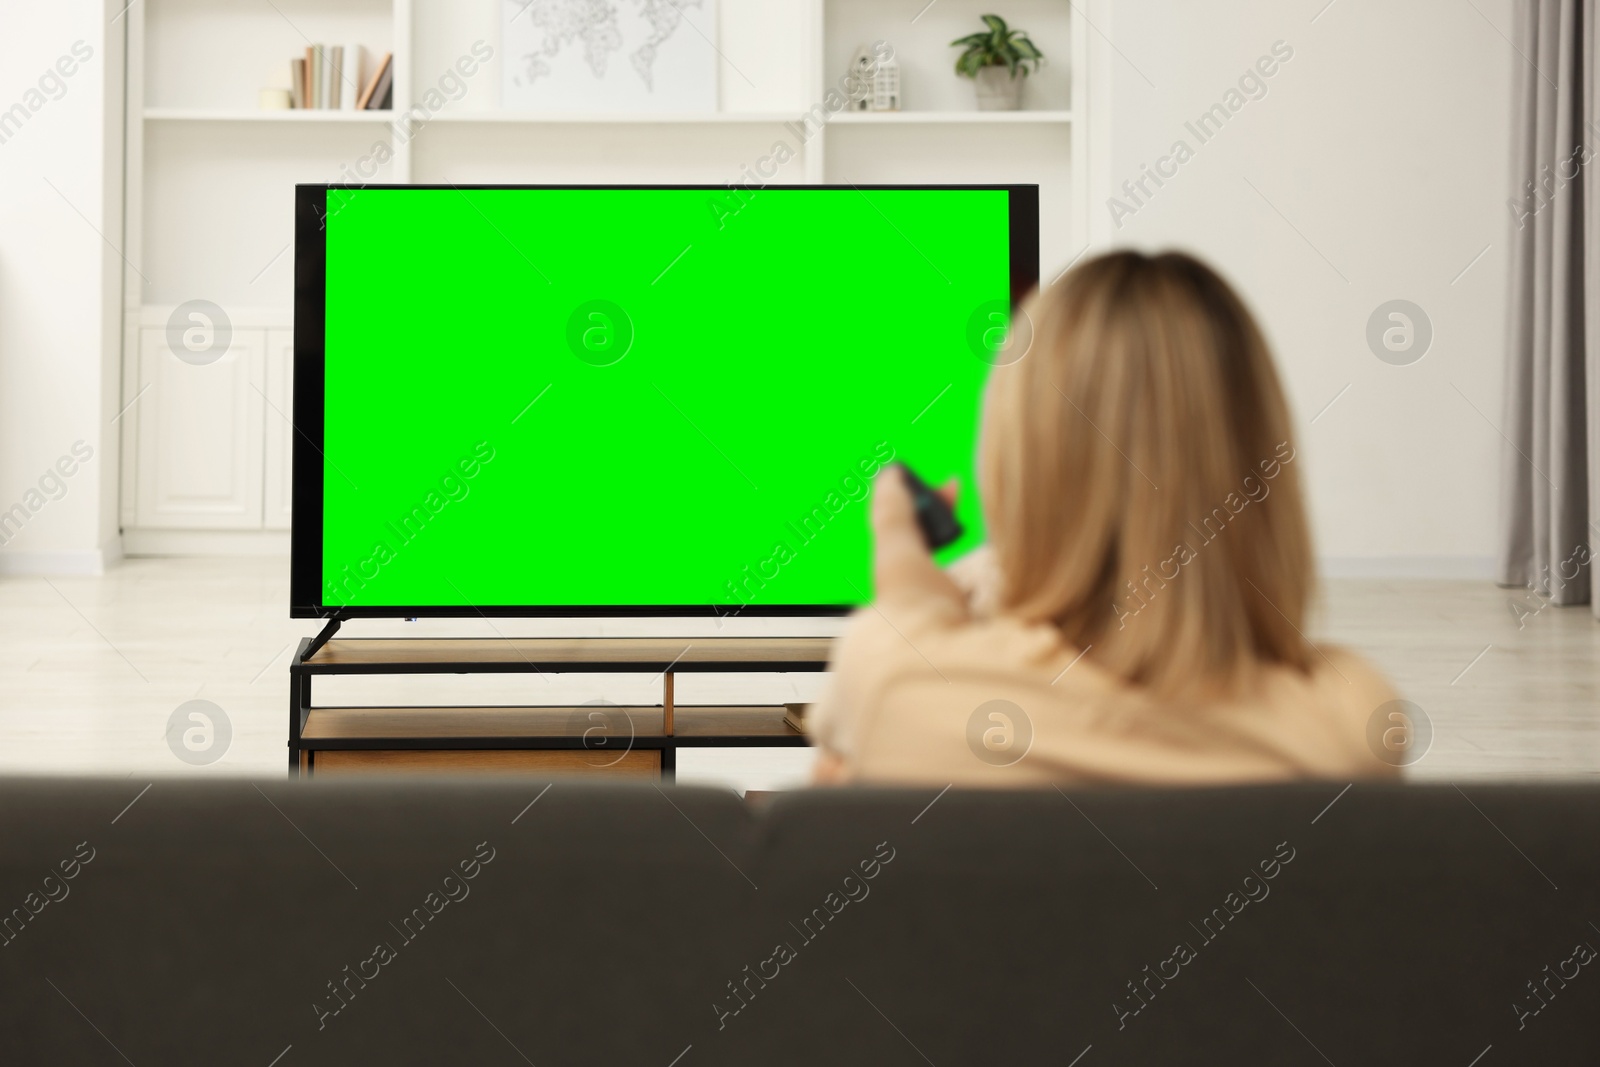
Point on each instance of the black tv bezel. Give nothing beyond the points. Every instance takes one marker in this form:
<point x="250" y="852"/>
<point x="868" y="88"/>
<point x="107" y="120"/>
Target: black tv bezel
<point x="310" y="331"/>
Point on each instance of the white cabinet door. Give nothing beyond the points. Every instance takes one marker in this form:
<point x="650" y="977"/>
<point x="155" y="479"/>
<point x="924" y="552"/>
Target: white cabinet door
<point x="200" y="435"/>
<point x="280" y="429"/>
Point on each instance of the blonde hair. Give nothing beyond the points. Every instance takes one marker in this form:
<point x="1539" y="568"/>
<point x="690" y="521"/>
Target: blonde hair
<point x="1138" y="477"/>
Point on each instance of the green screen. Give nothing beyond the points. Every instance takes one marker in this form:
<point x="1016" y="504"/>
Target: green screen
<point x="643" y="397"/>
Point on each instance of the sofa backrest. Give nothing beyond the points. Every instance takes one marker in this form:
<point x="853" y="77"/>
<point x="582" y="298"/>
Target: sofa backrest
<point x="567" y="922"/>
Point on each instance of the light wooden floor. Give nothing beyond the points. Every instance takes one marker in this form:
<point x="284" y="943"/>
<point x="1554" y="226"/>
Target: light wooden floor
<point x="91" y="669"/>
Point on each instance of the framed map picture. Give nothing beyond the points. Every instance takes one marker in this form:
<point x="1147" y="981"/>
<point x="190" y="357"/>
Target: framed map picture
<point x="609" y="55"/>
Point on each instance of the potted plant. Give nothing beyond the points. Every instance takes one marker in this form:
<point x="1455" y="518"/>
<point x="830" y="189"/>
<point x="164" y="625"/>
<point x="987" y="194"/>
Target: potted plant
<point x="998" y="60"/>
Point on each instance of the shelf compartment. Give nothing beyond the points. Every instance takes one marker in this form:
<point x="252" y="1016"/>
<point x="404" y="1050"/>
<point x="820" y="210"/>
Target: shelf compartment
<point x="619" y="118"/>
<point x="555" y="655"/>
<point x="950" y="117"/>
<point x="575" y="727"/>
<point x="634" y="764"/>
<point x="190" y="114"/>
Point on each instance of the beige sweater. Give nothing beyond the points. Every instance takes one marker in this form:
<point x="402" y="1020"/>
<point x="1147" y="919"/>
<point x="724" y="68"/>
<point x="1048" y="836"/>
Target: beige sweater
<point x="924" y="691"/>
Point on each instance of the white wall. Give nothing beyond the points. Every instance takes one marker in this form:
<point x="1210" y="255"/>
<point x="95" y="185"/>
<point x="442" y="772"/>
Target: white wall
<point x="60" y="191"/>
<point x="1384" y="141"/>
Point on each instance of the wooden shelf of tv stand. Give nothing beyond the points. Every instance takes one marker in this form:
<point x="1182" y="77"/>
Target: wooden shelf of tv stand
<point x="557" y="655"/>
<point x="576" y="726"/>
<point x="537" y="739"/>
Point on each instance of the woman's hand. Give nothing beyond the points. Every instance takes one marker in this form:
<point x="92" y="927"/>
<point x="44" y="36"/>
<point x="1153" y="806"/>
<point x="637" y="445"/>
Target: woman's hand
<point x="912" y="593"/>
<point x="902" y="568"/>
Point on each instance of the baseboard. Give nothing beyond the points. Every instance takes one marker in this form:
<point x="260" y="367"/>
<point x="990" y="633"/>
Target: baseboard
<point x="136" y="542"/>
<point x="73" y="563"/>
<point x="1476" y="568"/>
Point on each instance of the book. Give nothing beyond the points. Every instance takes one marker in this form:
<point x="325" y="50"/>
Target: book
<point x="795" y="715"/>
<point x="335" y="75"/>
<point x="307" y="93"/>
<point x="350" y="82"/>
<point x="378" y="85"/>
<point x="318" y="77"/>
<point x="297" y="83"/>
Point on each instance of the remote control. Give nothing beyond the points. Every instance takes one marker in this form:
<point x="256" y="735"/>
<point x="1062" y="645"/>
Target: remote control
<point x="938" y="522"/>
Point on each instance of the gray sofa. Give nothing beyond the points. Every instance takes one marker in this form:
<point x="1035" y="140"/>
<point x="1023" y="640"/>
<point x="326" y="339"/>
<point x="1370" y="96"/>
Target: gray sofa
<point x="282" y="925"/>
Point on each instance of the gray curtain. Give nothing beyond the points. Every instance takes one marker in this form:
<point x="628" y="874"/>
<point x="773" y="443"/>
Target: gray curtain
<point x="1549" y="493"/>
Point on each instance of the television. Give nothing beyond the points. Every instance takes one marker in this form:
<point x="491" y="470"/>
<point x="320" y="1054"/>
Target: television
<point x="632" y="400"/>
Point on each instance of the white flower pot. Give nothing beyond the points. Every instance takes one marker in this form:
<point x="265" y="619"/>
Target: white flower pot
<point x="998" y="90"/>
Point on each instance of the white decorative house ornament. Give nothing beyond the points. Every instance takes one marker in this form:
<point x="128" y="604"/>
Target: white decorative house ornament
<point x="874" y="79"/>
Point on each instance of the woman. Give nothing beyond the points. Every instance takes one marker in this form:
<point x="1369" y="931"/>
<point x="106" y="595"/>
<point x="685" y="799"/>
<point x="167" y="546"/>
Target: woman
<point x="1149" y="570"/>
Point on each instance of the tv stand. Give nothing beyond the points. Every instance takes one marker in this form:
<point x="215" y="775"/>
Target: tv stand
<point x="605" y="739"/>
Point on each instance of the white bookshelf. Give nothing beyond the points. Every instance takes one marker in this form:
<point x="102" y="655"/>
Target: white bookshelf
<point x="209" y="207"/>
